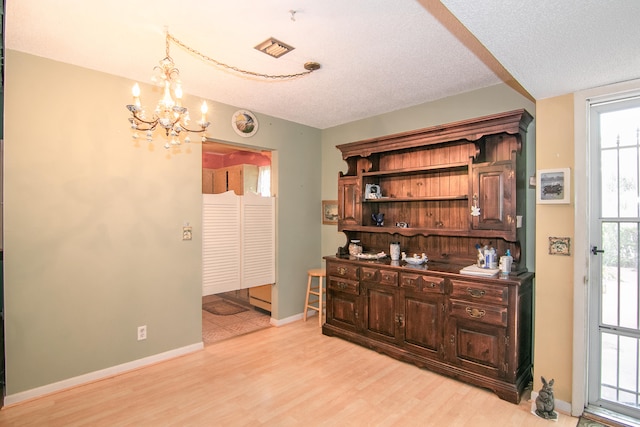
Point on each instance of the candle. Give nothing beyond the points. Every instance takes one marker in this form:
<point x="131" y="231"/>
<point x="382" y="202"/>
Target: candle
<point x="135" y="90"/>
<point x="204" y="110"/>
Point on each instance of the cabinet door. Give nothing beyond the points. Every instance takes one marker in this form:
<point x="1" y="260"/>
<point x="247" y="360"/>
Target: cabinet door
<point x="348" y="201"/>
<point x="423" y="313"/>
<point x="343" y="306"/>
<point x="494" y="192"/>
<point x="423" y="324"/>
<point x="207" y="181"/>
<point x="220" y="180"/>
<point x="382" y="318"/>
<point x="235" y="179"/>
<point x="476" y="338"/>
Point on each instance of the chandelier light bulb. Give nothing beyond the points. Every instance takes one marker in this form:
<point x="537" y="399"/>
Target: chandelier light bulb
<point x="167" y="100"/>
<point x="135" y="90"/>
<point x="204" y="108"/>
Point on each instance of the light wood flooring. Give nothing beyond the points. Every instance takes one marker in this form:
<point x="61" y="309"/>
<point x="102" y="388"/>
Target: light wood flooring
<point x="279" y="376"/>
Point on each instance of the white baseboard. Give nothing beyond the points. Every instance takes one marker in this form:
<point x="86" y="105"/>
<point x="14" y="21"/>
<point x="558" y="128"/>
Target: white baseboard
<point x="286" y="320"/>
<point x="13" y="399"/>
<point x="310" y="314"/>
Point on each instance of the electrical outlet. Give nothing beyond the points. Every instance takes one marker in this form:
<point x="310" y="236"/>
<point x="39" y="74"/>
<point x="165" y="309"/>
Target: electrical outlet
<point x="142" y="332"/>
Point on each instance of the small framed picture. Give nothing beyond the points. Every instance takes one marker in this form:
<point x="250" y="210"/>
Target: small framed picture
<point x="244" y="123"/>
<point x="553" y="186"/>
<point x="372" y="191"/>
<point x="329" y="211"/>
<point x="559" y="246"/>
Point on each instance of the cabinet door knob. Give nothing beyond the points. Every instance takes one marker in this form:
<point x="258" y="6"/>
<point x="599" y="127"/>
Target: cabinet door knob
<point x="476" y="293"/>
<point x="476" y="313"/>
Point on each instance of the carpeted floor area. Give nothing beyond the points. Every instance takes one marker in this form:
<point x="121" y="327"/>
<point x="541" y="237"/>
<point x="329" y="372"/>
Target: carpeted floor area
<point x="222" y="319"/>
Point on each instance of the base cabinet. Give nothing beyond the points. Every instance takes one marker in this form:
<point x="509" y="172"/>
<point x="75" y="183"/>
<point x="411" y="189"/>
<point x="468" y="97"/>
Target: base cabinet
<point x="423" y="300"/>
<point x="343" y="308"/>
<point x="473" y="329"/>
<point x="382" y="320"/>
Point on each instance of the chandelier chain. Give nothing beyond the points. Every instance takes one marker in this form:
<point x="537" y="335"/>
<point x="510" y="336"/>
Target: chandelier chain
<point x="206" y="58"/>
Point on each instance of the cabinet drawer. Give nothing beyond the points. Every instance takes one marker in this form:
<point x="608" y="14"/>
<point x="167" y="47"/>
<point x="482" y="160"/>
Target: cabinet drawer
<point x="422" y="283"/>
<point x="346" y="271"/>
<point x="484" y="293"/>
<point x="344" y="285"/>
<point x="490" y="314"/>
<point x="384" y="277"/>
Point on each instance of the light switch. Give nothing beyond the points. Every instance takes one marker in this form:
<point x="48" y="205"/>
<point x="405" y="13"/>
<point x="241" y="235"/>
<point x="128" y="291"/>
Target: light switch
<point x="518" y="221"/>
<point x="186" y="232"/>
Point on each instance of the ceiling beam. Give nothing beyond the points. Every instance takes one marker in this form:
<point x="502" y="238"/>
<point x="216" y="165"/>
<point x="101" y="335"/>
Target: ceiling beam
<point x="449" y="21"/>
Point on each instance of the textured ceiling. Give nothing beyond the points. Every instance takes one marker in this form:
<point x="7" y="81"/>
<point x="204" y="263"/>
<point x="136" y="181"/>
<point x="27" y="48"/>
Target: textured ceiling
<point x="377" y="56"/>
<point x="556" y="47"/>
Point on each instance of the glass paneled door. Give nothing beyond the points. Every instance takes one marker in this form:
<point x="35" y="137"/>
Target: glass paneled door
<point x="614" y="312"/>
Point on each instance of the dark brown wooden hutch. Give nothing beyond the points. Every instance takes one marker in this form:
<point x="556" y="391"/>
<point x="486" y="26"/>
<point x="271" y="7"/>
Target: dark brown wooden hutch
<point x="475" y="329"/>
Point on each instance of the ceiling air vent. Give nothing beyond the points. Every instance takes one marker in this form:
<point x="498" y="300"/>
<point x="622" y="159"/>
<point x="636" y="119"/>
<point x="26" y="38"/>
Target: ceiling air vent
<point x="273" y="47"/>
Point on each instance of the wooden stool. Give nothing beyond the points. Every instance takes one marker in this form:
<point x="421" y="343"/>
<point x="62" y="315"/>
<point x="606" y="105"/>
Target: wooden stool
<point x="317" y="291"/>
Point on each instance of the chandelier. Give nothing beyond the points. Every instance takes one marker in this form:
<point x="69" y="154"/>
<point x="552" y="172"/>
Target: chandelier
<point x="169" y="114"/>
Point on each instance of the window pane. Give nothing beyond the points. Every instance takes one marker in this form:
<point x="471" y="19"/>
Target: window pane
<point x="610" y="274"/>
<point x="628" y="363"/>
<point x="628" y="275"/>
<point x="609" y="361"/>
<point x="609" y="175"/>
<point x="628" y="184"/>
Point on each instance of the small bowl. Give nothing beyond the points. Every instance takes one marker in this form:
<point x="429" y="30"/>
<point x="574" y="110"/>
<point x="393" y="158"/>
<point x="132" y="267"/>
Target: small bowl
<point x="415" y="260"/>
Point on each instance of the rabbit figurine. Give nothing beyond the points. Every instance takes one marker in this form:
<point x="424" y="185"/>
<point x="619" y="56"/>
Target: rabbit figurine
<point x="545" y="402"/>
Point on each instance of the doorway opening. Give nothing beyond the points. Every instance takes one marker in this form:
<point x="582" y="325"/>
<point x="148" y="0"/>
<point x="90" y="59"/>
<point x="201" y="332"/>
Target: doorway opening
<point x="614" y="282"/>
<point x="240" y="169"/>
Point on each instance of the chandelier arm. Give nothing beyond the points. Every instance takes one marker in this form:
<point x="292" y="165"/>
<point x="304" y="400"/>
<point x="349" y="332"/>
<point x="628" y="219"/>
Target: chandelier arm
<point x="152" y="124"/>
<point x="229" y="67"/>
<point x="193" y="130"/>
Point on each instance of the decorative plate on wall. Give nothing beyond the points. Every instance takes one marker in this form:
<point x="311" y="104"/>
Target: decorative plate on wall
<point x="244" y="123"/>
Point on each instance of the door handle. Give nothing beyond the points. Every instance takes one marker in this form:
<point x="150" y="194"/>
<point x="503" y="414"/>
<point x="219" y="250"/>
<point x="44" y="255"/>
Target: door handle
<point x="596" y="251"/>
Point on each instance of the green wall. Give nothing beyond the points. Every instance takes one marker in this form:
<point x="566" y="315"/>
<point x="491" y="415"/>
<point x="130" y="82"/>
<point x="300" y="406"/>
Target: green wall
<point x="92" y="223"/>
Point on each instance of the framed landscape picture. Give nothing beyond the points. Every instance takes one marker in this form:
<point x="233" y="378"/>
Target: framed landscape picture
<point x="329" y="211"/>
<point x="553" y="185"/>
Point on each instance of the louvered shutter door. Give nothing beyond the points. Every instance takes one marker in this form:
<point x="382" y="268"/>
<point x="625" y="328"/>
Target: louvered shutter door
<point x="221" y="253"/>
<point x="258" y="240"/>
